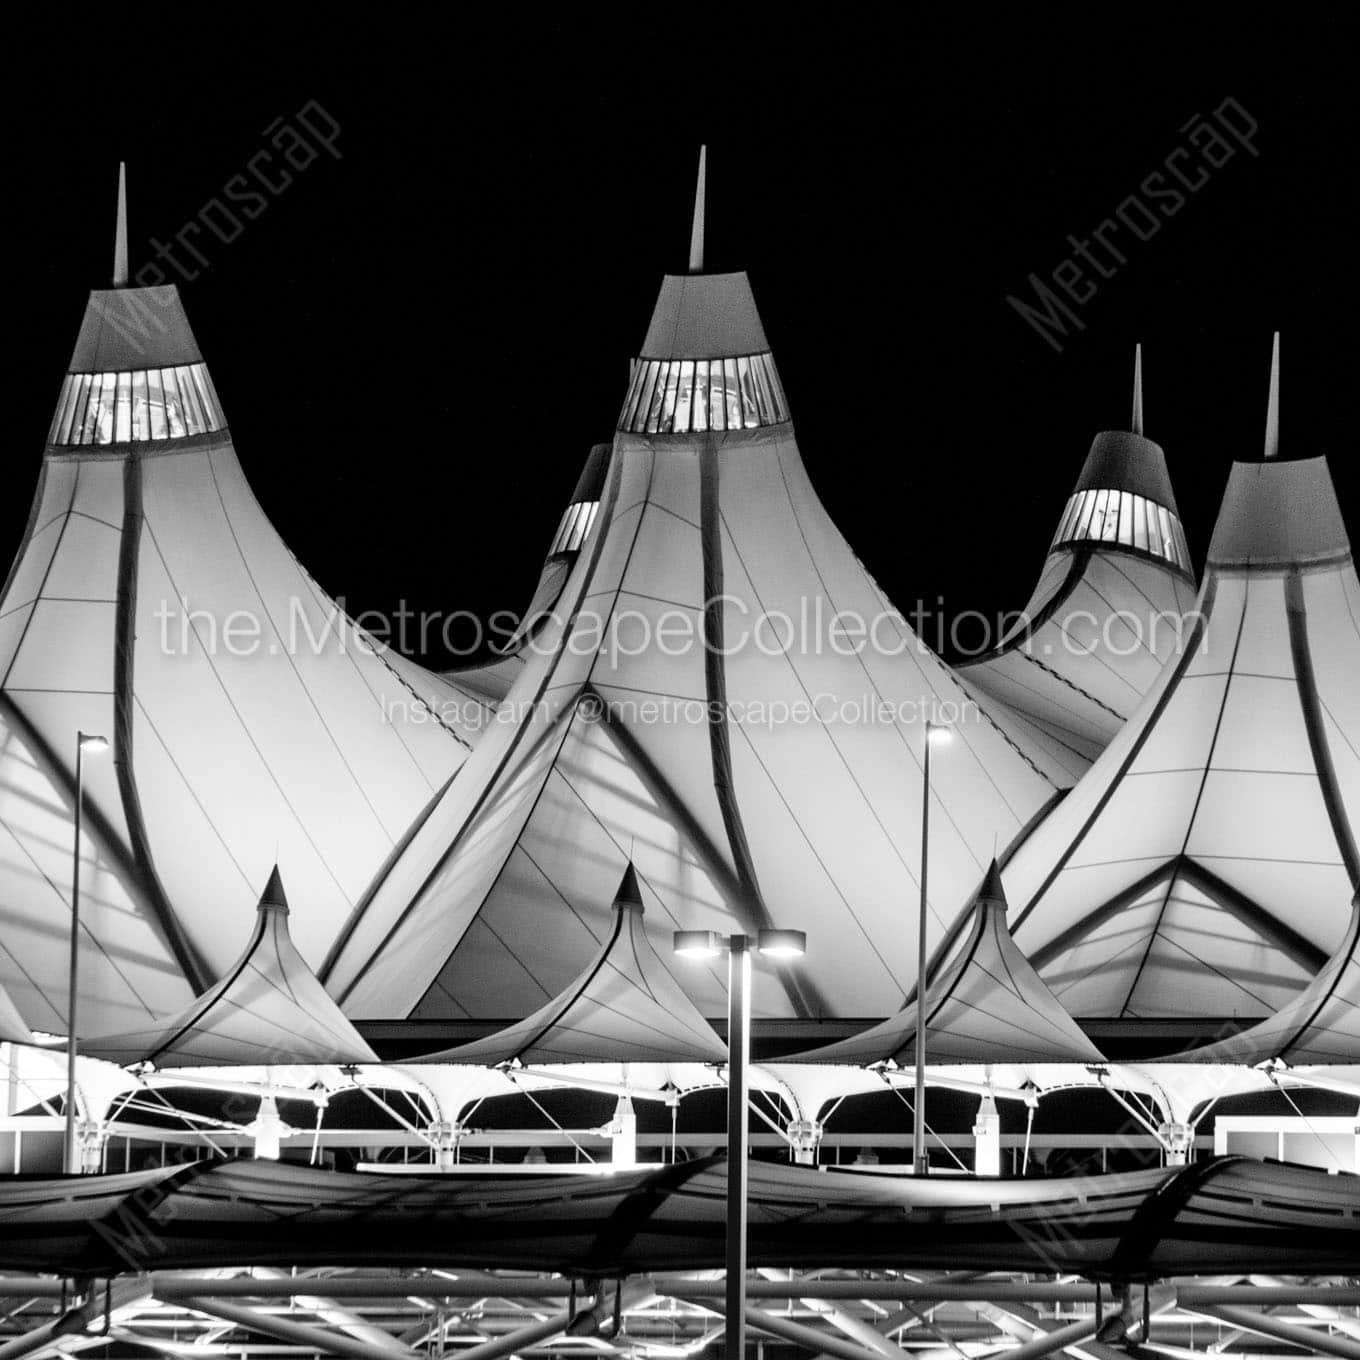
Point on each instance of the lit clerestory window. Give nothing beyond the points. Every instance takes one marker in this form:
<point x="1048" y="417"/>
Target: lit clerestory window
<point x="687" y="396"/>
<point x="576" y="524"/>
<point x="136" y="407"/>
<point x="1121" y="517"/>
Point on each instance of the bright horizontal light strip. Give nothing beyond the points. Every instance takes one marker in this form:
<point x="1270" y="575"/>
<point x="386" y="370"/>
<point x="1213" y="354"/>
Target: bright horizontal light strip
<point x="1109" y="516"/>
<point x="136" y="407"/>
<point x="576" y="524"/>
<point x="698" y="944"/>
<point x="782" y="944"/>
<point x="687" y="396"/>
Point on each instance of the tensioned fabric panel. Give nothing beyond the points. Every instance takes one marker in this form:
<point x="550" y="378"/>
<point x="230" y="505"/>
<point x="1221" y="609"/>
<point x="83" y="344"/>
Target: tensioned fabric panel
<point x="595" y="808"/>
<point x="322" y="752"/>
<point x="398" y="942"/>
<point x="126" y="972"/>
<point x="987" y="1006"/>
<point x="1172" y="951"/>
<point x="614" y="797"/>
<point x="57" y="626"/>
<point x="267" y="1009"/>
<point x="1321" y="1024"/>
<point x="1103" y="624"/>
<point x="292" y="741"/>
<point x="624" y="1007"/>
<point x="1236" y="776"/>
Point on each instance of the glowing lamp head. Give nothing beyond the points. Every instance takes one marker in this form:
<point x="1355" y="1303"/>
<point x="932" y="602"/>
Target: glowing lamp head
<point x="698" y="944"/>
<point x="782" y="944"/>
<point x="938" y="735"/>
<point x="92" y="743"/>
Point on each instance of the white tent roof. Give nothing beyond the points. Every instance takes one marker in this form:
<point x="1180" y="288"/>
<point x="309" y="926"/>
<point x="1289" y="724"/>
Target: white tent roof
<point x="268" y="1009"/>
<point x="1101" y="622"/>
<point x="1201" y="866"/>
<point x="290" y="738"/>
<point x="987" y="1006"/>
<point x="681" y="757"/>
<point x="625" y="1007"/>
<point x="1321" y="1025"/>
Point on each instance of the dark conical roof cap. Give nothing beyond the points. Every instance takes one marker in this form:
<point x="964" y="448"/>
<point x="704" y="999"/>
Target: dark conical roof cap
<point x="273" y="898"/>
<point x="704" y="316"/>
<point x="1122" y="461"/>
<point x="133" y="328"/>
<point x="1279" y="514"/>
<point x="993" y="891"/>
<point x="629" y="894"/>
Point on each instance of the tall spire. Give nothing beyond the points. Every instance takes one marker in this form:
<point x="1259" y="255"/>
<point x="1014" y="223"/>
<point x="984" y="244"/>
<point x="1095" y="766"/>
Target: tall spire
<point x="1273" y="405"/>
<point x="696" y="235"/>
<point x="120" y="266"/>
<point x="1137" y="425"/>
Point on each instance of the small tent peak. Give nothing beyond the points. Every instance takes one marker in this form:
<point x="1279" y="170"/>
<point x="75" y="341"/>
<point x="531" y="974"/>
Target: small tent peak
<point x="273" y="897"/>
<point x="629" y="895"/>
<point x="696" y="232"/>
<point x="1136" y="424"/>
<point x="1272" y="448"/>
<point x="120" y="244"/>
<point x="993" y="891"/>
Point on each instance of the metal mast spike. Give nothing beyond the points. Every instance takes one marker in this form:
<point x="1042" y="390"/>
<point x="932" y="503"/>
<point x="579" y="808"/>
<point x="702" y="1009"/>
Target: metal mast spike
<point x="120" y="266"/>
<point x="1273" y="405"/>
<point x="696" y="235"/>
<point x="1137" y="425"/>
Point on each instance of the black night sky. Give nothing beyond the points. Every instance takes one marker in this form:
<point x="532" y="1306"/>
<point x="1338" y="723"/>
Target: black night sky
<point x="417" y="341"/>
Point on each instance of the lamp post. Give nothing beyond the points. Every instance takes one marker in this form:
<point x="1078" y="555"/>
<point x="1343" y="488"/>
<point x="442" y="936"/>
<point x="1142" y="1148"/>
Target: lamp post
<point x="85" y="741"/>
<point x="708" y="944"/>
<point x="936" y="733"/>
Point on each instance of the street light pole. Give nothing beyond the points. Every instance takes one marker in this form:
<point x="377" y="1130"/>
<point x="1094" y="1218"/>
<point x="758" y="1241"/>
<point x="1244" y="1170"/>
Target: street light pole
<point x="708" y="944"/>
<point x="71" y="1153"/>
<point x="738" y="1053"/>
<point x="920" y="1158"/>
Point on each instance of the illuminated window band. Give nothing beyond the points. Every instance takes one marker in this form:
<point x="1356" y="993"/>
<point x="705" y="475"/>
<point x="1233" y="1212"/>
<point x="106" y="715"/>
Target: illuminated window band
<point x="1121" y="517"/>
<point x="576" y="524"/>
<point x="685" y="396"/>
<point x="125" y="408"/>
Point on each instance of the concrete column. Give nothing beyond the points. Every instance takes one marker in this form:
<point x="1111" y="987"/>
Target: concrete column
<point x="987" y="1136"/>
<point x="623" y="1134"/>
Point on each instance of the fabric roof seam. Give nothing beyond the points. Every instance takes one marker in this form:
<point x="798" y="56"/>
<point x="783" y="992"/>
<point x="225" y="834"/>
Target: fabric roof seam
<point x="1172" y="676"/>
<point x="205" y="442"/>
<point x="1324" y="767"/>
<point x="1281" y="567"/>
<point x="1194" y="811"/>
<point x="335" y="955"/>
<point x="186" y="954"/>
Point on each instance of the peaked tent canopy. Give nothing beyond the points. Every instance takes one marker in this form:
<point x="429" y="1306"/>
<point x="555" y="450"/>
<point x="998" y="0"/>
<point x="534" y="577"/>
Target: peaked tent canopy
<point x="152" y="601"/>
<point x="269" y="1008"/>
<point x="1101" y="623"/>
<point x="625" y="1007"/>
<point x="1320" y="1026"/>
<point x="988" y="1006"/>
<point x="660" y="711"/>
<point x="1198" y="868"/>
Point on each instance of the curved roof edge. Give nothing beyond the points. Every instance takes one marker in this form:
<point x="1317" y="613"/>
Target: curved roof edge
<point x="704" y="316"/>
<point x="133" y="328"/>
<point x="1278" y="514"/>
